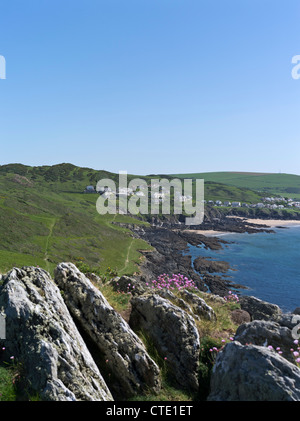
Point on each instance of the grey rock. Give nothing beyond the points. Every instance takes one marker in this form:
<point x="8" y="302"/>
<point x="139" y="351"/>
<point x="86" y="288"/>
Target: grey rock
<point x="125" y="356"/>
<point x="267" y="333"/>
<point x="191" y="303"/>
<point x="213" y="297"/>
<point x="41" y="334"/>
<point x="289" y="320"/>
<point x="239" y="316"/>
<point x="174" y="334"/>
<point x="95" y="279"/>
<point x="297" y="310"/>
<point x="253" y="373"/>
<point x="164" y="293"/>
<point x="128" y="285"/>
<point x="259" y="309"/>
<point x="199" y="306"/>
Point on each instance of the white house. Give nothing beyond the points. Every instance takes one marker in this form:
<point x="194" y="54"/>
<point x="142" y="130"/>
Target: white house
<point x="90" y="189"/>
<point x="236" y="204"/>
<point x="125" y="191"/>
<point x="140" y="193"/>
<point x="158" y="195"/>
<point x="108" y="193"/>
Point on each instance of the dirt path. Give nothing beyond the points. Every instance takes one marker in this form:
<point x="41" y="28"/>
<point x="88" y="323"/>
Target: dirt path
<point x="127" y="256"/>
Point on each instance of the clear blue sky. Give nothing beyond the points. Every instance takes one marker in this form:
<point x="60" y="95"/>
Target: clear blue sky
<point x="151" y="86"/>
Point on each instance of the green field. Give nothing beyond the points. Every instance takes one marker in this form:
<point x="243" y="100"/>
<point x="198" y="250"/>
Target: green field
<point x="287" y="185"/>
<point x="45" y="218"/>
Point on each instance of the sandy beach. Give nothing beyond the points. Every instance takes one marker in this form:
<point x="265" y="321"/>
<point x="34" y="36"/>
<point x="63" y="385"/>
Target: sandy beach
<point x="269" y="222"/>
<point x="209" y="233"/>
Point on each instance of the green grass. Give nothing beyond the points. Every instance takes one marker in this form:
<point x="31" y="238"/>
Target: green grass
<point x="216" y="191"/>
<point x="7" y="386"/>
<point x="287" y="185"/>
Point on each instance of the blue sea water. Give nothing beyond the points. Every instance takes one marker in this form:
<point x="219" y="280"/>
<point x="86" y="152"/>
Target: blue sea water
<point x="267" y="263"/>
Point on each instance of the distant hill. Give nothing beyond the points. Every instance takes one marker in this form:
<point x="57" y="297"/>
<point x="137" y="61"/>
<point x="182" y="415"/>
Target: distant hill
<point x="269" y="184"/>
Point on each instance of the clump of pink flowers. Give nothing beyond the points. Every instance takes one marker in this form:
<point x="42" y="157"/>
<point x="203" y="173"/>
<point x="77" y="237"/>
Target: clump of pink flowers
<point x="231" y="297"/>
<point x="214" y="350"/>
<point x="176" y="281"/>
<point x="296" y="352"/>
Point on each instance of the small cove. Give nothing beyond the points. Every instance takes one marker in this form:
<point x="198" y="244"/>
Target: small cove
<point x="268" y="264"/>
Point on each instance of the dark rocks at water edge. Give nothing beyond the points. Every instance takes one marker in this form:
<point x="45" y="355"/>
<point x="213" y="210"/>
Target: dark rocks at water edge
<point x="171" y="256"/>
<point x="74" y="346"/>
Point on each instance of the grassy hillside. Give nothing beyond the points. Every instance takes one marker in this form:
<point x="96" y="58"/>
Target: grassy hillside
<point x="270" y="184"/>
<point x="217" y="191"/>
<point x="45" y="218"/>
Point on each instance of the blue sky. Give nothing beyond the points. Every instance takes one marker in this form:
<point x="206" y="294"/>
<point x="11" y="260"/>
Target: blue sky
<point x="151" y="86"/>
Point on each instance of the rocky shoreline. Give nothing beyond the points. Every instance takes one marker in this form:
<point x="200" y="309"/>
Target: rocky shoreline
<point x="171" y="243"/>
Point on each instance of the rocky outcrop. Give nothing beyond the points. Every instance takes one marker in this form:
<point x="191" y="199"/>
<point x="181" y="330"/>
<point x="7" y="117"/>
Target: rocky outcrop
<point x="123" y="352"/>
<point x="259" y="309"/>
<point x="41" y="334"/>
<point x="267" y="333"/>
<point x="202" y="264"/>
<point x="199" y="306"/>
<point x="174" y="334"/>
<point x="253" y="373"/>
<point x="128" y="284"/>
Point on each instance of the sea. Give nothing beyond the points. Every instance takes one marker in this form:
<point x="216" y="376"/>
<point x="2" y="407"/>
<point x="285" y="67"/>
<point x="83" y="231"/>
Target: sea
<point x="268" y="264"/>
